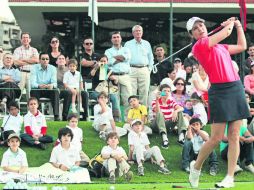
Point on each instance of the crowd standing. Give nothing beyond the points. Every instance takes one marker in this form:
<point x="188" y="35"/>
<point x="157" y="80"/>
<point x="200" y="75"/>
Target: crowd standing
<point x="167" y="98"/>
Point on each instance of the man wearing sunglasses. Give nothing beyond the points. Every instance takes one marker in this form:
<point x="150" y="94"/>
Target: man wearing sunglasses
<point x="89" y="59"/>
<point x="44" y="83"/>
<point x="24" y="57"/>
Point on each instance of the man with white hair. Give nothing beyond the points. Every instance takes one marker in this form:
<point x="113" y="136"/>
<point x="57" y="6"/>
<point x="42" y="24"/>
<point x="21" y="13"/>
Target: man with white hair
<point x="141" y="63"/>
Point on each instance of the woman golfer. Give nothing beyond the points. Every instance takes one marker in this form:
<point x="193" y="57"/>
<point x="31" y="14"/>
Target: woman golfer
<point x="226" y="95"/>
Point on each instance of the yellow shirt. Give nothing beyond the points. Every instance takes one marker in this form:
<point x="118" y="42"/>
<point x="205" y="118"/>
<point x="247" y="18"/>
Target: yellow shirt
<point x="137" y="113"/>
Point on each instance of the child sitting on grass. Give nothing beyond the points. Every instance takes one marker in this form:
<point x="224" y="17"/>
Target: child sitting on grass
<point x="65" y="156"/>
<point x="103" y="119"/>
<point x="35" y="126"/>
<point x="140" y="150"/>
<point x="115" y="158"/>
<point x="77" y="140"/>
<point x="12" y="122"/>
<point x="194" y="140"/>
<point x="137" y="111"/>
<point x="14" y="159"/>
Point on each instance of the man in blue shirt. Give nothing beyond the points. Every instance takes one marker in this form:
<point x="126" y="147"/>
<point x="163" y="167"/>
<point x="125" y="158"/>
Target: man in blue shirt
<point x="9" y="79"/>
<point x="141" y="63"/>
<point x="118" y="61"/>
<point x="44" y="83"/>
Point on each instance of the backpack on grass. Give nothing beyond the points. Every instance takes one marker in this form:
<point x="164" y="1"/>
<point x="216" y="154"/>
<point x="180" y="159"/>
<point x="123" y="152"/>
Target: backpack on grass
<point x="96" y="168"/>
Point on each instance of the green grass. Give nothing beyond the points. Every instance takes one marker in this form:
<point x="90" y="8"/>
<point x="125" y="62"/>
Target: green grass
<point x="152" y="179"/>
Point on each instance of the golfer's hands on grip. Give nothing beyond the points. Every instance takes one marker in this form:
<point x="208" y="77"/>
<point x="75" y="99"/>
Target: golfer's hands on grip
<point x="232" y="20"/>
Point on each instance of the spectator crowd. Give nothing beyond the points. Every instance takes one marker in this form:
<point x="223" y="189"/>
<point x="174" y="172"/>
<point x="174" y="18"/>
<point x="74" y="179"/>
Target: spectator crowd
<point x="170" y="98"/>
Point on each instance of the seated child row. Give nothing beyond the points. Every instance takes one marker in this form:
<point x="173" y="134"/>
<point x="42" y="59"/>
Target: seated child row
<point x="66" y="155"/>
<point x="136" y="138"/>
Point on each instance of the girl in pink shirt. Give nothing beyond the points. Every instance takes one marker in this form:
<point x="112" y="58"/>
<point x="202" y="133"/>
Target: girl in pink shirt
<point x="226" y="95"/>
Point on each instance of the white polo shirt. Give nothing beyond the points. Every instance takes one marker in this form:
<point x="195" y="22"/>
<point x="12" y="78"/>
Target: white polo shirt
<point x="77" y="137"/>
<point x="14" y="159"/>
<point x="66" y="157"/>
<point x="197" y="142"/>
<point x="136" y="139"/>
<point x="102" y="118"/>
<point x="108" y="150"/>
<point x="71" y="80"/>
<point x="35" y="122"/>
<point x="14" y="123"/>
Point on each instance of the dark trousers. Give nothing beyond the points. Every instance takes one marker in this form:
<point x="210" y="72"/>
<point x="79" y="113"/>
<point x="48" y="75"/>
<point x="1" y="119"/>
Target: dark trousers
<point x="11" y="91"/>
<point x="84" y="96"/>
<point x="188" y="155"/>
<point x="53" y="95"/>
<point x="66" y="95"/>
<point x="30" y="140"/>
<point x="246" y="151"/>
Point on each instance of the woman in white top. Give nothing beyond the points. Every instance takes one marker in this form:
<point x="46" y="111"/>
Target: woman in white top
<point x="201" y="83"/>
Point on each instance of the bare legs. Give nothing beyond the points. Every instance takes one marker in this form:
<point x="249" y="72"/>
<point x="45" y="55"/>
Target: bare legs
<point x="217" y="133"/>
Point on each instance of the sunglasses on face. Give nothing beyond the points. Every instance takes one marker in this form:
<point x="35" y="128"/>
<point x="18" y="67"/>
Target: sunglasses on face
<point x="88" y="44"/>
<point x="182" y="84"/>
<point x="44" y="59"/>
<point x="54" y="41"/>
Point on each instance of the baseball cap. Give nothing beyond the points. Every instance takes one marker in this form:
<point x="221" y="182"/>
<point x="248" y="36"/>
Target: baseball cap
<point x="136" y="121"/>
<point x="14" y="135"/>
<point x="177" y="59"/>
<point x="191" y="22"/>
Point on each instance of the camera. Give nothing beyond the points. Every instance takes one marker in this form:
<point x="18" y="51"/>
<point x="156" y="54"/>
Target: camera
<point x="163" y="93"/>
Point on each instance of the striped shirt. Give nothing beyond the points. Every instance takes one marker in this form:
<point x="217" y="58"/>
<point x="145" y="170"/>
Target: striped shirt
<point x="167" y="109"/>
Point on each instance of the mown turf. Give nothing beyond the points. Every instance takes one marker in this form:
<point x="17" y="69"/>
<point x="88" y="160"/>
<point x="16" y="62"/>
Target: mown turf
<point x="92" y="145"/>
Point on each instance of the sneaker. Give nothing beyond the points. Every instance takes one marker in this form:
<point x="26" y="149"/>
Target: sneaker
<point x="102" y="135"/>
<point x="181" y="137"/>
<point x="73" y="109"/>
<point x="141" y="171"/>
<point x="41" y="146"/>
<point x="250" y="168"/>
<point x="238" y="169"/>
<point x="165" y="144"/>
<point x="227" y="182"/>
<point x="81" y="109"/>
<point x="187" y="170"/>
<point x="194" y="175"/>
<point x="164" y="170"/>
<point x="181" y="143"/>
<point x="128" y="176"/>
<point x="213" y="170"/>
<point x="112" y="178"/>
<point x="4" y="100"/>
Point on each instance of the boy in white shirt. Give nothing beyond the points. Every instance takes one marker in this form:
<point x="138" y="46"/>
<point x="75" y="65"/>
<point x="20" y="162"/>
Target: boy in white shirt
<point x="115" y="158"/>
<point x="77" y="136"/>
<point x="103" y="118"/>
<point x="195" y="138"/>
<point x="14" y="159"/>
<point x="12" y="122"/>
<point x="73" y="82"/>
<point x="198" y="108"/>
<point x="35" y="126"/>
<point x="65" y="156"/>
<point x="140" y="150"/>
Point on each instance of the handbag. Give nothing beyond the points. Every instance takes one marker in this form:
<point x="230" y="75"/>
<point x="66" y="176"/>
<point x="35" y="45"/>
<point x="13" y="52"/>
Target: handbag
<point x="106" y="87"/>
